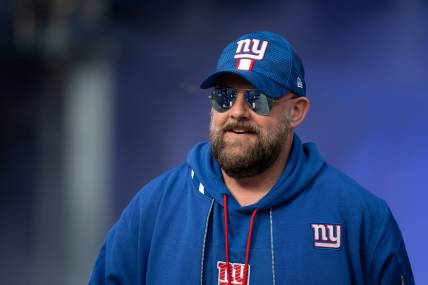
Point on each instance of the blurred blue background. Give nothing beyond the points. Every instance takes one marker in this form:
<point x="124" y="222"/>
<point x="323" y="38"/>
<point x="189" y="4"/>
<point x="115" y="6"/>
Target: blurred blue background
<point x="98" y="97"/>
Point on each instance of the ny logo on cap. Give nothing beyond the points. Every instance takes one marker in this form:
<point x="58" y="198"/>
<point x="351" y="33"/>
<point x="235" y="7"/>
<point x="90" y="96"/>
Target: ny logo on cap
<point x="249" y="50"/>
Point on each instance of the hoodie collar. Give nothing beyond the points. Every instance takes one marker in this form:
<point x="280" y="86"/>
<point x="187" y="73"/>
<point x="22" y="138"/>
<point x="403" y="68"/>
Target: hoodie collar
<point x="304" y="162"/>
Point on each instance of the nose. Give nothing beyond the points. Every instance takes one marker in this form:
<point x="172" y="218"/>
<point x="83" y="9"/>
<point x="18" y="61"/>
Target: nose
<point x="240" y="108"/>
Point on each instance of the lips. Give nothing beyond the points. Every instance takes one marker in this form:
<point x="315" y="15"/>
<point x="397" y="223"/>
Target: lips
<point x="240" y="128"/>
<point x="240" y="131"/>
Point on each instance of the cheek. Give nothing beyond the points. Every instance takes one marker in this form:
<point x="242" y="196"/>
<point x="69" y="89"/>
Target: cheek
<point x="266" y="122"/>
<point x="270" y="125"/>
<point x="278" y="116"/>
<point x="218" y="119"/>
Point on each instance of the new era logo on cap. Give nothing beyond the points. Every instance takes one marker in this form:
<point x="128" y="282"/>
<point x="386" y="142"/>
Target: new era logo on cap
<point x="247" y="51"/>
<point x="299" y="82"/>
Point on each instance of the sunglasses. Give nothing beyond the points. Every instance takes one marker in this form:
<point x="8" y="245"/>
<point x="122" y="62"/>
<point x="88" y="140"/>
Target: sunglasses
<point x="223" y="98"/>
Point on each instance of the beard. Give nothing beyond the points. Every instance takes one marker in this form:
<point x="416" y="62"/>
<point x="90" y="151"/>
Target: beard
<point x="248" y="157"/>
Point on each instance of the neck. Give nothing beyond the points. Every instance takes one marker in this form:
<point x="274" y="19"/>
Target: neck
<point x="250" y="190"/>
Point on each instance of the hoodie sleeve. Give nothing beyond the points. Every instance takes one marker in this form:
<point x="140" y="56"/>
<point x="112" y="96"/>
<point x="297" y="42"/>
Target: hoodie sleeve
<point x="117" y="260"/>
<point x="388" y="263"/>
<point x="124" y="255"/>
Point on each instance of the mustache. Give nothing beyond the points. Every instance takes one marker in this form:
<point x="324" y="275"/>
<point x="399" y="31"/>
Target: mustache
<point x="244" y="126"/>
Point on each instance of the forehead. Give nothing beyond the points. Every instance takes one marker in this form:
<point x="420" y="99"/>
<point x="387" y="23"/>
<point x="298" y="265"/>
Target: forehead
<point x="235" y="81"/>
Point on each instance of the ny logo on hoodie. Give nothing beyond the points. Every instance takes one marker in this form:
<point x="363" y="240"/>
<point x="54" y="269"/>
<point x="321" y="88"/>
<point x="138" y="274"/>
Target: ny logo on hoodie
<point x="327" y="235"/>
<point x="236" y="273"/>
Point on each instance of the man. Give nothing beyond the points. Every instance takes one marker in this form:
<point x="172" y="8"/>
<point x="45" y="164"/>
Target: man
<point x="255" y="205"/>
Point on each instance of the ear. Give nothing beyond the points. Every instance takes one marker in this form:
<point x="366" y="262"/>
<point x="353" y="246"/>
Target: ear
<point x="298" y="111"/>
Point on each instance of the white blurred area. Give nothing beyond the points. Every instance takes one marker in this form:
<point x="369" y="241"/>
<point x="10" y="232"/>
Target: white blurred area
<point x="73" y="122"/>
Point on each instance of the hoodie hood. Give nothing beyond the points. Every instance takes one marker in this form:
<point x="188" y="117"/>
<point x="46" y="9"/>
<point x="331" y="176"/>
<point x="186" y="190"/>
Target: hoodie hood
<point x="304" y="162"/>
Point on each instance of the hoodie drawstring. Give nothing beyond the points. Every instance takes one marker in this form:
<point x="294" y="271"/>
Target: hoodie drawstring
<point x="226" y="238"/>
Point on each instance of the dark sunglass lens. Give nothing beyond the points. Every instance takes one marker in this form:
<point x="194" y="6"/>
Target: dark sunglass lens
<point x="264" y="105"/>
<point x="222" y="99"/>
<point x="259" y="102"/>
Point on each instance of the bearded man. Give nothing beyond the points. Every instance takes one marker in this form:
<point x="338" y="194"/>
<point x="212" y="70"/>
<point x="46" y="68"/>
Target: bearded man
<point x="254" y="205"/>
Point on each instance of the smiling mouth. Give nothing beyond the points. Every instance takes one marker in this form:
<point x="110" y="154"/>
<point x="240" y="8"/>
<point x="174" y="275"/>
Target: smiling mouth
<point x="240" y="132"/>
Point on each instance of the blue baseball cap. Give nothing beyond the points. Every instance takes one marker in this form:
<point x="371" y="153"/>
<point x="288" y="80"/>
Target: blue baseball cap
<point x="264" y="59"/>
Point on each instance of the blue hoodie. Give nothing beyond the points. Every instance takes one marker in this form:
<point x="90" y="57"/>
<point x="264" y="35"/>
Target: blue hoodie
<point x="315" y="226"/>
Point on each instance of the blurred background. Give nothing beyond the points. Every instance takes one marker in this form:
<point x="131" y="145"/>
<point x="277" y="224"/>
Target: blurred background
<point x="98" y="97"/>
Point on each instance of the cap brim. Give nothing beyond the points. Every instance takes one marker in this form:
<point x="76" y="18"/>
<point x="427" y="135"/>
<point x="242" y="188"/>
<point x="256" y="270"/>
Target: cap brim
<point x="261" y="82"/>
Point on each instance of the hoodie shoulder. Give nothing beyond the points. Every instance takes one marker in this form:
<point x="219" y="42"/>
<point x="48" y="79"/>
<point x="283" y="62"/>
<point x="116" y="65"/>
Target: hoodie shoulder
<point x="165" y="179"/>
<point x="159" y="186"/>
<point x="345" y="189"/>
<point x="148" y="197"/>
